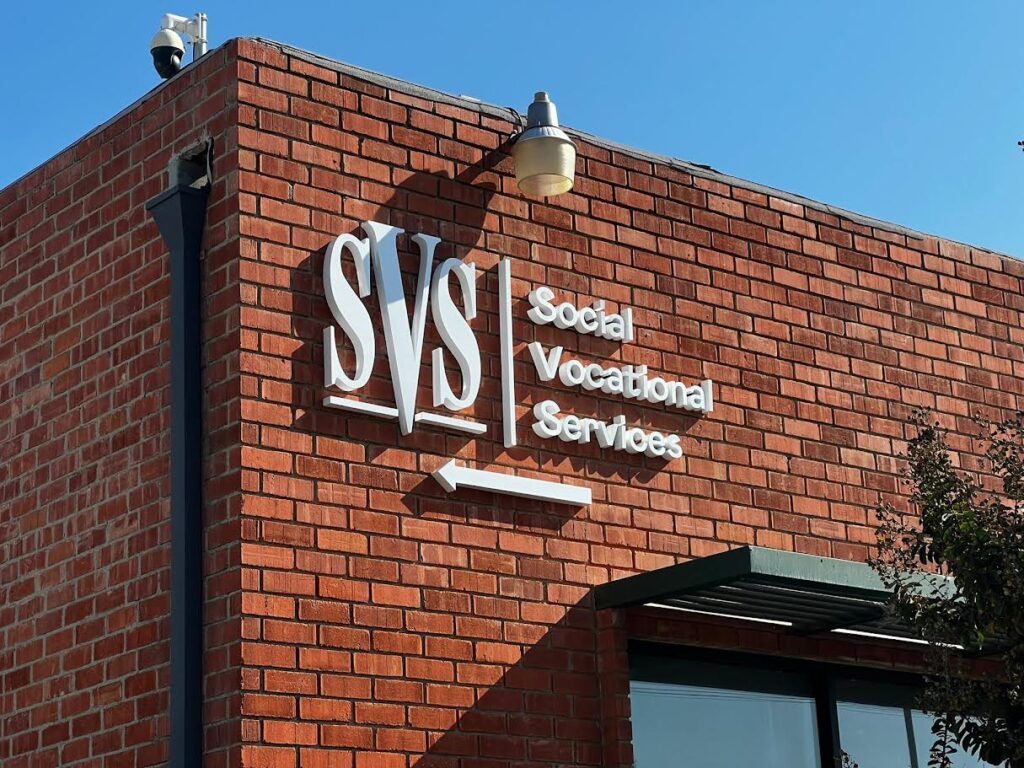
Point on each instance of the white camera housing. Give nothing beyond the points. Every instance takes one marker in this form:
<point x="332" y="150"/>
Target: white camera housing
<point x="168" y="50"/>
<point x="168" y="47"/>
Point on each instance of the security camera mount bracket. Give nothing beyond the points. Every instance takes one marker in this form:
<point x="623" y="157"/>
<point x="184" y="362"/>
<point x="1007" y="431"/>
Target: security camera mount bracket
<point x="194" y="30"/>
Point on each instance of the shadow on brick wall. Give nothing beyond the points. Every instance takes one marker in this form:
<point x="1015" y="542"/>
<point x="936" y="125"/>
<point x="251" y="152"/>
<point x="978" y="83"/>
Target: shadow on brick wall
<point x="434" y="203"/>
<point x="455" y="204"/>
<point x="564" y="701"/>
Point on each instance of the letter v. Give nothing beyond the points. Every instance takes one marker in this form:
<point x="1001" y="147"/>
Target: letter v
<point x="547" y="365"/>
<point x="404" y="338"/>
<point x="606" y="433"/>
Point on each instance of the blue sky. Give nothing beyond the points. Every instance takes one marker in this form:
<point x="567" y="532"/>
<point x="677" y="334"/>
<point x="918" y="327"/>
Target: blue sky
<point x="908" y="111"/>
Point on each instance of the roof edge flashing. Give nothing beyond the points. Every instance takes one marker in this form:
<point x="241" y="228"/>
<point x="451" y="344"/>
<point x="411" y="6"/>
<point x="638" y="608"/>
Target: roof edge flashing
<point x="696" y="169"/>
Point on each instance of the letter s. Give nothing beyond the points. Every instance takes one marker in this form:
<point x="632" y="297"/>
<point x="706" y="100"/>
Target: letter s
<point x="672" y="447"/>
<point x="543" y="312"/>
<point x="548" y="424"/>
<point x="456" y="334"/>
<point x="349" y="312"/>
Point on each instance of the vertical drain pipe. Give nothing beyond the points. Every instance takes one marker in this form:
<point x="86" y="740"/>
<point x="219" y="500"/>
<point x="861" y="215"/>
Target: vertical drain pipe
<point x="180" y="214"/>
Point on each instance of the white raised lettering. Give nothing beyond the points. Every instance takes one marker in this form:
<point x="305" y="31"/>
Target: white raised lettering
<point x="453" y="327"/>
<point x="571" y="430"/>
<point x="565" y="316"/>
<point x="571" y="373"/>
<point x="540" y="299"/>
<point x="586" y="321"/>
<point x="547" y="365"/>
<point x="655" y="445"/>
<point x="548" y="424"/>
<point x="593" y="376"/>
<point x="349" y="312"/>
<point x="404" y="339"/>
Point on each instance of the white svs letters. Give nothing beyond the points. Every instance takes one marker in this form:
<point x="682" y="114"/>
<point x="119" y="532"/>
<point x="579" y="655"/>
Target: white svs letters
<point x="378" y="253"/>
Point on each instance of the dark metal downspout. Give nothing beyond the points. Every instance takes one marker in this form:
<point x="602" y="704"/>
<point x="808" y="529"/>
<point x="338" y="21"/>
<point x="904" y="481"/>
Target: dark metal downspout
<point x="180" y="213"/>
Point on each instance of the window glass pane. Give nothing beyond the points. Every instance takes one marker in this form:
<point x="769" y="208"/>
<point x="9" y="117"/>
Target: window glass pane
<point x="924" y="739"/>
<point x="697" y="726"/>
<point x="873" y="722"/>
<point x="874" y="736"/>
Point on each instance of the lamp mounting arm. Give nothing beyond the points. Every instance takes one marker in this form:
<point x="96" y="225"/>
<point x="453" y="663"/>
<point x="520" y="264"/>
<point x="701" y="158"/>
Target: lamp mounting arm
<point x="520" y="123"/>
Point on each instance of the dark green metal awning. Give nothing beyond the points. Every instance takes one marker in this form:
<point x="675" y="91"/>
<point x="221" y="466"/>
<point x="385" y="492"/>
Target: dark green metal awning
<point x="803" y="593"/>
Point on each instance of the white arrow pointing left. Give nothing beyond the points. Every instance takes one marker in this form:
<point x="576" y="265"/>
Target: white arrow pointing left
<point x="451" y="476"/>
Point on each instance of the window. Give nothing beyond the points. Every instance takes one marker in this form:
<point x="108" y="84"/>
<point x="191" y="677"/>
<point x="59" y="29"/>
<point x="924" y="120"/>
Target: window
<point x="699" y="722"/>
<point x="879" y="727"/>
<point x="716" y="710"/>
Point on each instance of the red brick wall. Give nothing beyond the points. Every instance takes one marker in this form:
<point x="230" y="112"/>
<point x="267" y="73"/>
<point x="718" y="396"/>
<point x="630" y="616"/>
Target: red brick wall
<point x="387" y="623"/>
<point x="84" y="441"/>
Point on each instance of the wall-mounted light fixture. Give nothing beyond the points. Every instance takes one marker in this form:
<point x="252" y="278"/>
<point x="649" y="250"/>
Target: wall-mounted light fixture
<point x="545" y="156"/>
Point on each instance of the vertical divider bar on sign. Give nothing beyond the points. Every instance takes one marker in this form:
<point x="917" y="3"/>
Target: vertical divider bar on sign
<point x="508" y="385"/>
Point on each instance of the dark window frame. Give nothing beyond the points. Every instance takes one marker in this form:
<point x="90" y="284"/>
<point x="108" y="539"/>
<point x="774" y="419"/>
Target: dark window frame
<point x="653" y="661"/>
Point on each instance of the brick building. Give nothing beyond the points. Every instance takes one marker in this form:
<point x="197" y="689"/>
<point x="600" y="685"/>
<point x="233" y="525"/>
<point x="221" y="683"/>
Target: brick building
<point x="356" y="612"/>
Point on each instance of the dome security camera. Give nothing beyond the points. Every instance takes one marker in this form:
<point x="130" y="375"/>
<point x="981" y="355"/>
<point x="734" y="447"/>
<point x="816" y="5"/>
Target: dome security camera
<point x="168" y="47"/>
<point x="168" y="51"/>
